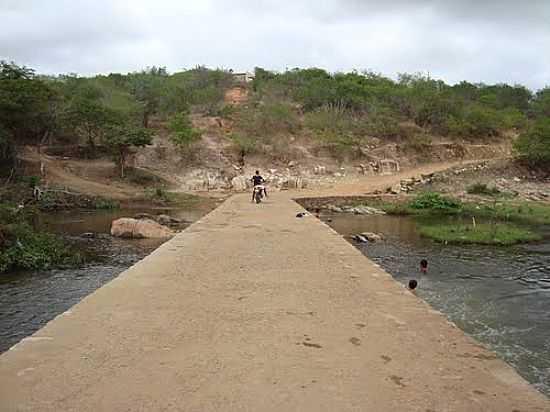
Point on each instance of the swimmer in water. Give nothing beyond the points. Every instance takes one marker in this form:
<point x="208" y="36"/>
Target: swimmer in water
<point x="424" y="266"/>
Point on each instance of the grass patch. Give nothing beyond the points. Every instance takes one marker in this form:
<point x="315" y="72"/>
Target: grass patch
<point x="106" y="204"/>
<point x="508" y="218"/>
<point x="435" y="202"/>
<point x="486" y="234"/>
<point x="520" y="212"/>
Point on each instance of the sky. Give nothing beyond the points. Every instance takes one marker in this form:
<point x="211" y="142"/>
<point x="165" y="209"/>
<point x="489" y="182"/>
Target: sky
<point x="490" y="41"/>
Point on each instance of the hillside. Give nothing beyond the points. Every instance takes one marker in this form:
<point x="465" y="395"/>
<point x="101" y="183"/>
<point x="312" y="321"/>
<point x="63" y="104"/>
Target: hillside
<point x="198" y="130"/>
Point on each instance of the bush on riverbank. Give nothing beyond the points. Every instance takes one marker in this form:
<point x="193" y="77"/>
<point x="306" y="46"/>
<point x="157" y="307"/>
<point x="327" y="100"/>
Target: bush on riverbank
<point x="482" y="189"/>
<point x="23" y="247"/>
<point x="435" y="202"/>
<point x="489" y="234"/>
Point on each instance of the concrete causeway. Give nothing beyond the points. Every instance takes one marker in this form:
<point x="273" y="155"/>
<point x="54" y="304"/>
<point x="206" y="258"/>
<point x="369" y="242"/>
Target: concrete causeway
<point x="253" y="309"/>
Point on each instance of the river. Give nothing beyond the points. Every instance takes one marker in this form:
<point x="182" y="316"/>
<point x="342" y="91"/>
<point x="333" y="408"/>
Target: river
<point x="498" y="295"/>
<point x="28" y="300"/>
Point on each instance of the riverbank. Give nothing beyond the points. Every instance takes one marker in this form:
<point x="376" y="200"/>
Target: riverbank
<point x="26" y="244"/>
<point x="493" y="220"/>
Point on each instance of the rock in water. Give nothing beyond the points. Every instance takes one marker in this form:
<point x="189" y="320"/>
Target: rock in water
<point x="138" y="229"/>
<point x="334" y="209"/>
<point x="166" y="220"/>
<point x="360" y="239"/>
<point x="372" y="237"/>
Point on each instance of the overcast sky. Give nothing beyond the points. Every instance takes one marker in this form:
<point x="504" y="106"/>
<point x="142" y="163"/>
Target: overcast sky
<point x="476" y="40"/>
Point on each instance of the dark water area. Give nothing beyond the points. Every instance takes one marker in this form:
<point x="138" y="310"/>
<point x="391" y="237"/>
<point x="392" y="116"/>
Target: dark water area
<point x="28" y="300"/>
<point x="498" y="295"/>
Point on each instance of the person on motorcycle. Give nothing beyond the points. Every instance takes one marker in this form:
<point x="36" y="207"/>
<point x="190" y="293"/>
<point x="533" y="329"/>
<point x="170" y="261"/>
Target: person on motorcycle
<point x="258" y="180"/>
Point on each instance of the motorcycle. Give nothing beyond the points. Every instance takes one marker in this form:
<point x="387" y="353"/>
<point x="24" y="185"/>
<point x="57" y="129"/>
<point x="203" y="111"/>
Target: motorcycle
<point x="258" y="193"/>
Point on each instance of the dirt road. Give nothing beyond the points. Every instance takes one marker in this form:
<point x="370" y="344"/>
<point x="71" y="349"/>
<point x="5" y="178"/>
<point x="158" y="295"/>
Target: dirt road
<point x="253" y="309"/>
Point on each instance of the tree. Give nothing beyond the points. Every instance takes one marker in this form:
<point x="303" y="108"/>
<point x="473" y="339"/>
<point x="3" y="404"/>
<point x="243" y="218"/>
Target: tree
<point x="25" y="108"/>
<point x="533" y="146"/>
<point x="147" y="87"/>
<point x="121" y="139"/>
<point x="182" y="132"/>
<point x="90" y="119"/>
<point x="541" y="103"/>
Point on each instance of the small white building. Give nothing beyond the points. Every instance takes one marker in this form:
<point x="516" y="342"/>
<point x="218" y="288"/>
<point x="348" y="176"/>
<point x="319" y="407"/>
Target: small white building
<point x="244" y="77"/>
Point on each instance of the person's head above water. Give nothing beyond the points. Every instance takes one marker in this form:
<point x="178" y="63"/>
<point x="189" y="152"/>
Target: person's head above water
<point x="413" y="284"/>
<point x="424" y="265"/>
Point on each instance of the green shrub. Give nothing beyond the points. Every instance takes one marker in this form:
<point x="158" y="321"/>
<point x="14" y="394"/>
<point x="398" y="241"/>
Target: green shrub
<point x="159" y="194"/>
<point x="22" y="246"/>
<point x="329" y="121"/>
<point x="106" y="204"/>
<point x="476" y="121"/>
<point x="30" y="250"/>
<point x="482" y="189"/>
<point x="244" y="144"/>
<point x="419" y="141"/>
<point x="182" y="132"/>
<point x="513" y="119"/>
<point x="31" y="181"/>
<point x="436" y="202"/>
<point x="268" y="120"/>
<point x="533" y="146"/>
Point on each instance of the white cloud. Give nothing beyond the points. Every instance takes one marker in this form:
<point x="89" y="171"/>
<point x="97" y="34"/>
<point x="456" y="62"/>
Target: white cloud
<point x="490" y="41"/>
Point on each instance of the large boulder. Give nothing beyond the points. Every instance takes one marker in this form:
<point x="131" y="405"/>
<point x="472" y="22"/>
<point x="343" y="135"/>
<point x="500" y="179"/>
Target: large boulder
<point x="139" y="229"/>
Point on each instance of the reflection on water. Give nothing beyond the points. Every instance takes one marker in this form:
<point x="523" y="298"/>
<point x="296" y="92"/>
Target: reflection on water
<point x="29" y="300"/>
<point x="501" y="296"/>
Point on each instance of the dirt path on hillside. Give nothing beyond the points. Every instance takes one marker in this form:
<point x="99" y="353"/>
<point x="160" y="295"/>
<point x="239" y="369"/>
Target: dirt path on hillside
<point x="368" y="184"/>
<point x="98" y="178"/>
<point x="89" y="177"/>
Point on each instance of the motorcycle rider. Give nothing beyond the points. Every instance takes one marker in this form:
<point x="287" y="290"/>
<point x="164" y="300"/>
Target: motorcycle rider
<point x="258" y="180"/>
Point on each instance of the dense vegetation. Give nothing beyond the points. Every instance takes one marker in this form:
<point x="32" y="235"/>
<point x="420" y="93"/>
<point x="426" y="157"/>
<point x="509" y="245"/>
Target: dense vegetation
<point x="341" y="110"/>
<point x="344" y="108"/>
<point x="113" y="110"/>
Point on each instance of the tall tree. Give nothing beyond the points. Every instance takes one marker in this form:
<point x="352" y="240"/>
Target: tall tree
<point x="25" y="105"/>
<point x="121" y="140"/>
<point x="148" y="87"/>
